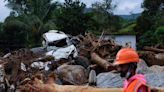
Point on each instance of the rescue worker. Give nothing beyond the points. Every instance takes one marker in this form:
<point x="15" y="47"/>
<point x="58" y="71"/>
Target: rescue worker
<point x="126" y="63"/>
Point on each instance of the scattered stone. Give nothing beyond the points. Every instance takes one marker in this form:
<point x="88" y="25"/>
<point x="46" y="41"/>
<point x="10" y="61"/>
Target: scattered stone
<point x="142" y="68"/>
<point x="155" y="79"/>
<point x="72" y="74"/>
<point x="109" y="80"/>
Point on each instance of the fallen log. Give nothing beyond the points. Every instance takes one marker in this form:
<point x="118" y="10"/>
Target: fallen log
<point x="101" y="62"/>
<point x="159" y="46"/>
<point x="153" y="49"/>
<point x="72" y="88"/>
<point x="50" y="86"/>
<point x="36" y="84"/>
<point x="68" y="88"/>
<point x="152" y="58"/>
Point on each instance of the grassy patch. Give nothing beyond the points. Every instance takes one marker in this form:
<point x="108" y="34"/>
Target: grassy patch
<point x="127" y="30"/>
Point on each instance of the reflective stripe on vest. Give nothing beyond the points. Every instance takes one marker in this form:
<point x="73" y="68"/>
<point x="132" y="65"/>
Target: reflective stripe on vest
<point x="139" y="83"/>
<point x="134" y="86"/>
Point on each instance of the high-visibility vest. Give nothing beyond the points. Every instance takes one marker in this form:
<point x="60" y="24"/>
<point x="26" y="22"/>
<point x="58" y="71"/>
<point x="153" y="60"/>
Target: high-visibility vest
<point x="134" y="86"/>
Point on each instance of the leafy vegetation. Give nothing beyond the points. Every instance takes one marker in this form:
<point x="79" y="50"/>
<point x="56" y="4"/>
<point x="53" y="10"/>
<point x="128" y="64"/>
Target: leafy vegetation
<point x="128" y="29"/>
<point x="159" y="34"/>
<point x="71" y="18"/>
<point x="149" y="23"/>
<point x="29" y="19"/>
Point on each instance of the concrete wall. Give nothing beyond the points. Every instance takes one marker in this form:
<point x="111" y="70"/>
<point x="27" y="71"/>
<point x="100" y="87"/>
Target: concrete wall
<point x="123" y="39"/>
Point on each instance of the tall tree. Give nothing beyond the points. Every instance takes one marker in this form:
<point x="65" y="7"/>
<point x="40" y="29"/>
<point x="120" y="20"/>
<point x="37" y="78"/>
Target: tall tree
<point x="27" y="22"/>
<point x="148" y="23"/>
<point x="41" y="8"/>
<point x="103" y="16"/>
<point x="104" y="6"/>
<point x="147" y="19"/>
<point x="71" y="19"/>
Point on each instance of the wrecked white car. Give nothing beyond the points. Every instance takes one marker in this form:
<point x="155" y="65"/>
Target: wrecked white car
<point x="58" y="45"/>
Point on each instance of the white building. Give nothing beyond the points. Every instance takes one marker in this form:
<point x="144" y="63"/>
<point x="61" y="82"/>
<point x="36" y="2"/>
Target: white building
<point x="124" y="40"/>
<point x="161" y="6"/>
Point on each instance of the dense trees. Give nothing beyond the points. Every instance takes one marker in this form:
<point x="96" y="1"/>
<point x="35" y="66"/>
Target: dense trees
<point x="149" y="23"/>
<point x="103" y="18"/>
<point x="29" y="19"/>
<point x="71" y="19"/>
<point x="27" y="22"/>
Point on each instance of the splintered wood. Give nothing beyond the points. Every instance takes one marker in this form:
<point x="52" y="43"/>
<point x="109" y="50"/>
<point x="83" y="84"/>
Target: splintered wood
<point x="99" y="51"/>
<point x="15" y="65"/>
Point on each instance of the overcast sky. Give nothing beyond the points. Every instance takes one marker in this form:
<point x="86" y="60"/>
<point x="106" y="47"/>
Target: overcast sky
<point x="124" y="7"/>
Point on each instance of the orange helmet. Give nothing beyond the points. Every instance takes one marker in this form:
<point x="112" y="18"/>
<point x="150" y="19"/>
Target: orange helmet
<point x="126" y="55"/>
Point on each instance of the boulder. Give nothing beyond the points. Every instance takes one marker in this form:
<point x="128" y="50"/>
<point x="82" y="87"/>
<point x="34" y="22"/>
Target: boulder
<point x="155" y="79"/>
<point x="157" y="68"/>
<point x="72" y="74"/>
<point x="142" y="68"/>
<point x="109" y="80"/>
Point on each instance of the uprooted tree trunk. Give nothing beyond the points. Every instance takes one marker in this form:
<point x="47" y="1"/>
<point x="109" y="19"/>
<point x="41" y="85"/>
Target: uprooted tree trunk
<point x="102" y="62"/>
<point x="153" y="55"/>
<point x="153" y="49"/>
<point x="39" y="86"/>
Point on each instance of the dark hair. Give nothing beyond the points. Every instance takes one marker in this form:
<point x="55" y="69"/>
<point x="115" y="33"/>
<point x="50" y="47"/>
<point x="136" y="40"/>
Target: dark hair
<point x="133" y="66"/>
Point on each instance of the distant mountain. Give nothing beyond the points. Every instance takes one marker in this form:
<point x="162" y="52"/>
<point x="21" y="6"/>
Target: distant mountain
<point x="88" y="10"/>
<point x="126" y="17"/>
<point x="130" y="17"/>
